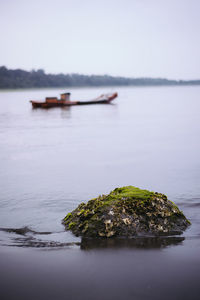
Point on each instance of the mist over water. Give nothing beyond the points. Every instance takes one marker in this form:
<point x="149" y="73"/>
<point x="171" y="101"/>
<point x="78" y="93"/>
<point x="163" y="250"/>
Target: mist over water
<point x="54" y="159"/>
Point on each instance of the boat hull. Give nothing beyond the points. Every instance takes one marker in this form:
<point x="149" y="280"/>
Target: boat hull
<point x="48" y="105"/>
<point x="59" y="103"/>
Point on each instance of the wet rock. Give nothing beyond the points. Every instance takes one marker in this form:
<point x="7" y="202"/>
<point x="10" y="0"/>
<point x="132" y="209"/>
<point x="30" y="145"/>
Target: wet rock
<point x="127" y="212"/>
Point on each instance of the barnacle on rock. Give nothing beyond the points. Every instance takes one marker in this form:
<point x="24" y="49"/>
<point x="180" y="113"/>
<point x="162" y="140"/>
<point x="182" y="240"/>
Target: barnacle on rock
<point x="126" y="212"/>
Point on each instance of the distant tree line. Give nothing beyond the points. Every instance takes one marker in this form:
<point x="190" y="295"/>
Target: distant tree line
<point x="38" y="78"/>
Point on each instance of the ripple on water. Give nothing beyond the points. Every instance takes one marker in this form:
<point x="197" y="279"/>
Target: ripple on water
<point x="27" y="238"/>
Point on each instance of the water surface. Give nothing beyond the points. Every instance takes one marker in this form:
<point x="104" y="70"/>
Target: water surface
<point x="54" y="159"/>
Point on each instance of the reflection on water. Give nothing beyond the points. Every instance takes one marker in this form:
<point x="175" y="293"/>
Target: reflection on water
<point x="64" y="112"/>
<point x="139" y="242"/>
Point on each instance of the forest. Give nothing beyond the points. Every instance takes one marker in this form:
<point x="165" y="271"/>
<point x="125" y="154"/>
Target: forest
<point x="18" y="78"/>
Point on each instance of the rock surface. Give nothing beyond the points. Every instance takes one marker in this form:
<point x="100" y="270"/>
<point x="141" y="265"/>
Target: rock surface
<point x="126" y="212"/>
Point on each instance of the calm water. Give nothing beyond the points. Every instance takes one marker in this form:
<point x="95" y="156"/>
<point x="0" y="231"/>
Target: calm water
<point x="52" y="160"/>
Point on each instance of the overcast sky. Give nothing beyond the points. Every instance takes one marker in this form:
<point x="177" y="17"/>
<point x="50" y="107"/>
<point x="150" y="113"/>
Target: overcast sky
<point x="134" y="38"/>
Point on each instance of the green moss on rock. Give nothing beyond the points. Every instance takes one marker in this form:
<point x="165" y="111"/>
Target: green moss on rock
<point x="126" y="212"/>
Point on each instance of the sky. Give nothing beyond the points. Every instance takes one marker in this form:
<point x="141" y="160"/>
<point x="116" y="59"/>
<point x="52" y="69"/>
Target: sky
<point x="130" y="38"/>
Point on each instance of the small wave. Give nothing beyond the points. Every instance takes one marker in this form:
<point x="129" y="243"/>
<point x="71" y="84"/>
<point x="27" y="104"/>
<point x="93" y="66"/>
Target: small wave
<point x="31" y="242"/>
<point x="189" y="204"/>
<point x="28" y="240"/>
<point x="194" y="205"/>
<point x="23" y="231"/>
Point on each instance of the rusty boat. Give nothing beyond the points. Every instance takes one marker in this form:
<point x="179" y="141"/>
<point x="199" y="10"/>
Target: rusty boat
<point x="65" y="101"/>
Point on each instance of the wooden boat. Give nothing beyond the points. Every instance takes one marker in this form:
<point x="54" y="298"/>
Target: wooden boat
<point x="65" y="101"/>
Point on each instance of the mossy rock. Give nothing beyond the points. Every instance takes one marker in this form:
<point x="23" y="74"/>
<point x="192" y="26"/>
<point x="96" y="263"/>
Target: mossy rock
<point x="126" y="212"/>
